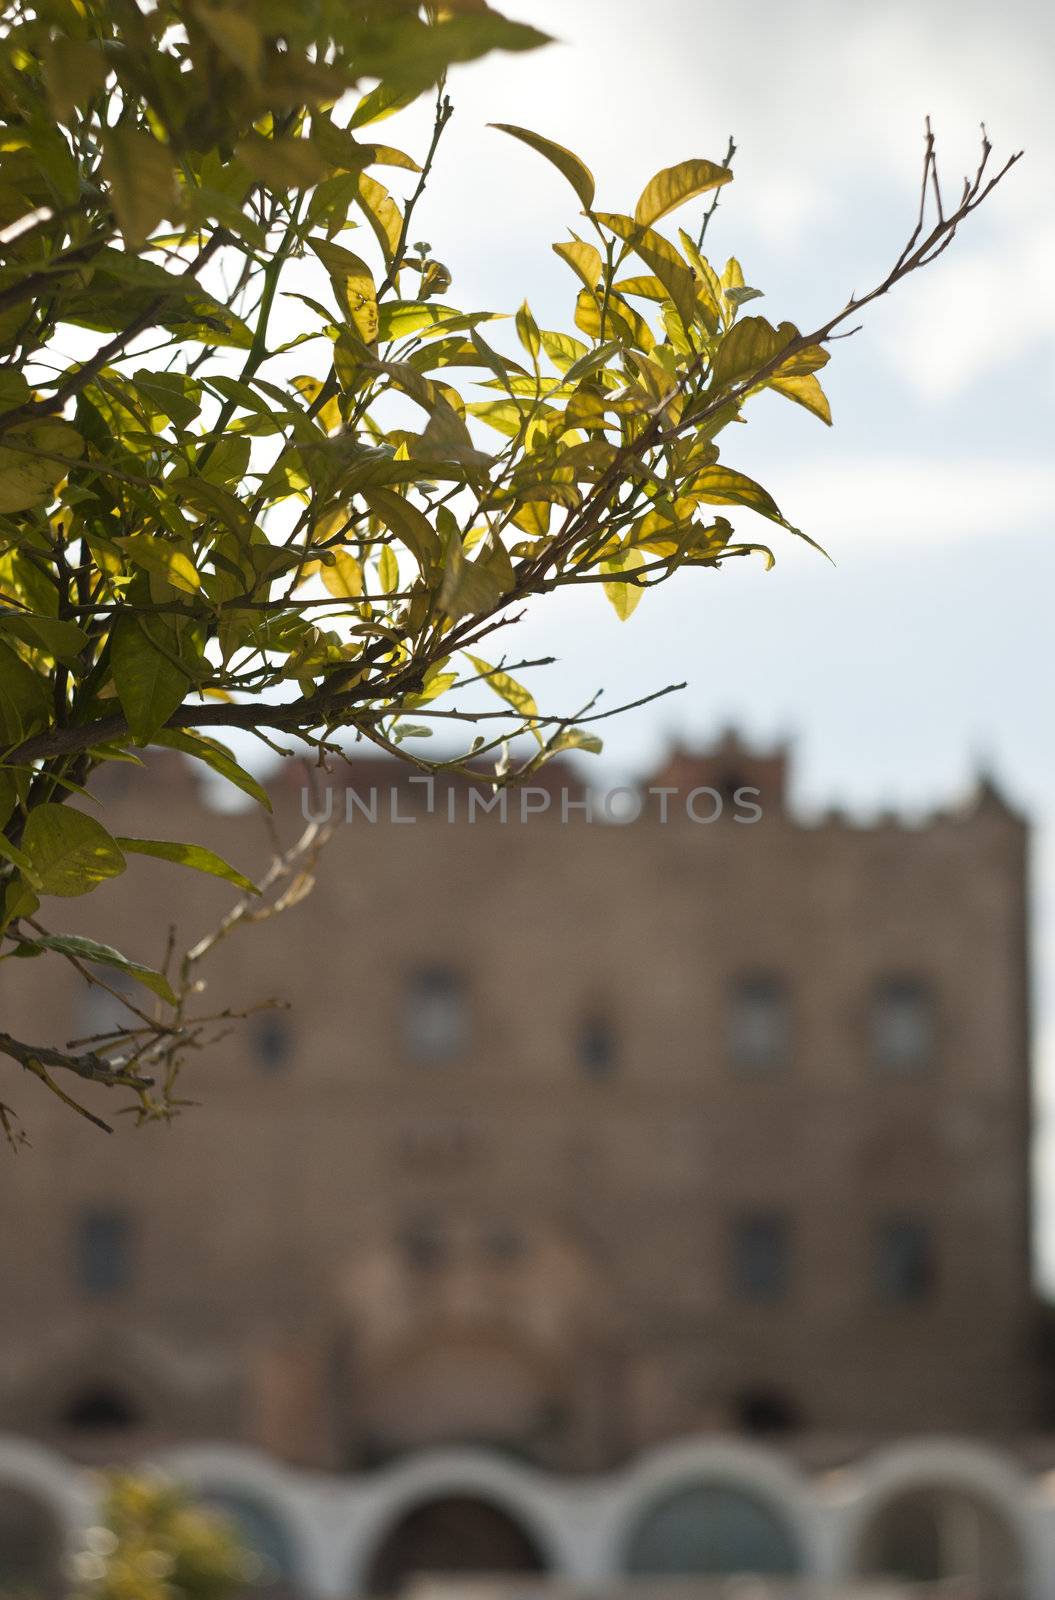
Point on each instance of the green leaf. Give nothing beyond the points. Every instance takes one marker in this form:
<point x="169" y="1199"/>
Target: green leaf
<point x="70" y="852"/>
<point x="72" y="944"/>
<point x="527" y="332"/>
<point x="19" y="859"/>
<point x="24" y="706"/>
<point x="409" y="524"/>
<point x="26" y="478"/>
<point x="154" y="554"/>
<point x="188" y="855"/>
<point x="63" y="640"/>
<point x="577" y="739"/>
<point x="172" y="393"/>
<point x="381" y="102"/>
<point x="577" y="172"/>
<point x="674" y="185"/>
<point x="469" y="588"/>
<point x="142" y="182"/>
<point x="722" y="486"/>
<point x="216" y="757"/>
<point x="74" y="70"/>
<point x="150" y="685"/>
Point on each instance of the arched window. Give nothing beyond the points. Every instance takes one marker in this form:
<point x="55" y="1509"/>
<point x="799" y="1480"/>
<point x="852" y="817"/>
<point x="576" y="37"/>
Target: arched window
<point x="451" y="1534"/>
<point x="937" y="1534"/>
<point x="766" y="1413"/>
<point x="31" y="1546"/>
<point x="713" y="1528"/>
<point x="272" y="1560"/>
<point x="100" y="1409"/>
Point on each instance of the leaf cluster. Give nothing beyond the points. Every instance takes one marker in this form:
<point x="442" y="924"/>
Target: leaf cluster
<point x="210" y="520"/>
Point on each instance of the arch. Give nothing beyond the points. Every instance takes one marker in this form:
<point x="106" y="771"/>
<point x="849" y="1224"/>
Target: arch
<point x="31" y="1544"/>
<point x="714" y="1507"/>
<point x="715" y="1527"/>
<point x="942" y="1510"/>
<point x="261" y="1533"/>
<point x="451" y="1533"/>
<point x="267" y="1504"/>
<point x="43" y="1509"/>
<point x="516" y="1503"/>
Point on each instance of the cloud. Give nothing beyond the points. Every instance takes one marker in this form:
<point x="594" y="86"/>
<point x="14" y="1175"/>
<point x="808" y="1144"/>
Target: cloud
<point x="880" y="501"/>
<point x="979" y="314"/>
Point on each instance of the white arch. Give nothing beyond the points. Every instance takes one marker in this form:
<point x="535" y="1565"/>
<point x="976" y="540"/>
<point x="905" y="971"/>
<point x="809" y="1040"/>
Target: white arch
<point x="283" y="1493"/>
<point x="63" y="1489"/>
<point x="531" y="1499"/>
<point x="990" y="1476"/>
<point x="761" y="1473"/>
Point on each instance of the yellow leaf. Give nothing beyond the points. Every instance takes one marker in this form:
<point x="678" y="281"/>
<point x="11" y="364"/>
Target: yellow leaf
<point x="624" y="597"/>
<point x="508" y="689"/>
<point x="659" y="254"/>
<point x="806" y="391"/>
<point x="388" y="570"/>
<point x="344" y="578"/>
<point x="382" y="213"/>
<point x="583" y="259"/>
<point x="746" y="348"/>
<point x="577" y="172"/>
<point x="353" y="284"/>
<point x="674" y="185"/>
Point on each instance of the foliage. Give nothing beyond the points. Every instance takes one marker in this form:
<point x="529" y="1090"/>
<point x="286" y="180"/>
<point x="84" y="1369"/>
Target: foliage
<point x="154" y="1543"/>
<point x="206" y="522"/>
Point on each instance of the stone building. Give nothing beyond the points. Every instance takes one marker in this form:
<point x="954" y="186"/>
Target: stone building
<point x="607" y="1126"/>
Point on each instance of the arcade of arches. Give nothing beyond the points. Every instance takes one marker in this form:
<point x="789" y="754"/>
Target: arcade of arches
<point x="709" y="1510"/>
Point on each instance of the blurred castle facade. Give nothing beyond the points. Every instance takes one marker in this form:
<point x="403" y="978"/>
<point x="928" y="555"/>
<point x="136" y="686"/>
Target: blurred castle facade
<point x="581" y="1137"/>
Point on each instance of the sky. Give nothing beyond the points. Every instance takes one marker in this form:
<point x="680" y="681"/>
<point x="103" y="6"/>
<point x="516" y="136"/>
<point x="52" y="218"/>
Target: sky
<point x="923" y="652"/>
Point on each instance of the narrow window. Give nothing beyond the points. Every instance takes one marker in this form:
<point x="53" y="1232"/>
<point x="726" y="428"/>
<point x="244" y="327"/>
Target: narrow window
<point x="597" y="1049"/>
<point x="902" y="1025"/>
<point x="437" y="1015"/>
<point x="272" y="1041"/>
<point x="904" y="1260"/>
<point x="103" y="1250"/>
<point x="761" y="1256"/>
<point x="758" y="1022"/>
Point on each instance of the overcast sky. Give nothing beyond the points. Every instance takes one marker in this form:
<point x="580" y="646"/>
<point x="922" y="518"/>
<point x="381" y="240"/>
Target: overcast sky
<point x="925" y="649"/>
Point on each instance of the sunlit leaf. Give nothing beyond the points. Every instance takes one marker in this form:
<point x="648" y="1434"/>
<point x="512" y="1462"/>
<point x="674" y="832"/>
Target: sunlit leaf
<point x="188" y="855"/>
<point x="577" y="172"/>
<point x="674" y="185"/>
<point x="71" y="853"/>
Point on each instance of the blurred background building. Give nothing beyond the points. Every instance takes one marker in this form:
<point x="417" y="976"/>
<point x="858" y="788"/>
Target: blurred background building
<point x="636" y="1184"/>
